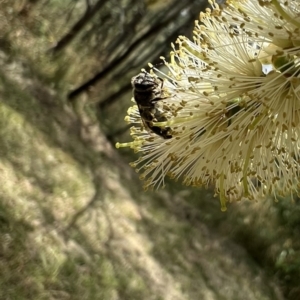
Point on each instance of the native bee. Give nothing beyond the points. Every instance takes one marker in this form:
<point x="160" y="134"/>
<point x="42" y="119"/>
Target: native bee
<point x="147" y="91"/>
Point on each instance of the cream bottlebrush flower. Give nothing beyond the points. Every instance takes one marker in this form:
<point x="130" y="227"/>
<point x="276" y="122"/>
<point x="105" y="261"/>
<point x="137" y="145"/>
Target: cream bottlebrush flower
<point x="232" y="125"/>
<point x="273" y="21"/>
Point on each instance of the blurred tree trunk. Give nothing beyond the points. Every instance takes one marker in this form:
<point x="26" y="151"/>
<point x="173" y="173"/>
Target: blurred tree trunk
<point x="27" y="7"/>
<point x="153" y="33"/>
<point x="78" y="26"/>
<point x="69" y="199"/>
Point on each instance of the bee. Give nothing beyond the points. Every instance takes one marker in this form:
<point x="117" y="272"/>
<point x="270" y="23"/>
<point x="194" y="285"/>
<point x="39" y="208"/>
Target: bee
<point x="147" y="91"/>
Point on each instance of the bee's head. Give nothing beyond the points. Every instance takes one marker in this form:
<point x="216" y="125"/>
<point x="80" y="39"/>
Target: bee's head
<point x="144" y="82"/>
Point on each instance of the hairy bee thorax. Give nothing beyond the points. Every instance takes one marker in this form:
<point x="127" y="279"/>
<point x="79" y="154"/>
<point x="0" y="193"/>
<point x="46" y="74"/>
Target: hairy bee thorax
<point x="147" y="91"/>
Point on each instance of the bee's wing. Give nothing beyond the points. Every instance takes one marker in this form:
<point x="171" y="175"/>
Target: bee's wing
<point x="149" y="116"/>
<point x="146" y="116"/>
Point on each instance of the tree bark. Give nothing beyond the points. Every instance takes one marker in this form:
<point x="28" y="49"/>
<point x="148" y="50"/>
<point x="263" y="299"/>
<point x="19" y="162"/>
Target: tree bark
<point x="78" y="26"/>
<point x="174" y="11"/>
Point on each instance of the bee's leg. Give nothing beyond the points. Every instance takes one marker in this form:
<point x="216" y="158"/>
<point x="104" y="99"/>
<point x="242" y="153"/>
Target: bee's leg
<point x="158" y="98"/>
<point x="163" y="132"/>
<point x="162" y="82"/>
